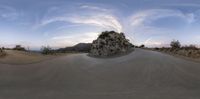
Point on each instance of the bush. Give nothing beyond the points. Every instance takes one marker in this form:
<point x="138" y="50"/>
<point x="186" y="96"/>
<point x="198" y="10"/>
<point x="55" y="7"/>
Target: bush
<point x="190" y="47"/>
<point x="156" y="48"/>
<point x="19" y="48"/>
<point x="175" y="44"/>
<point x="142" y="46"/>
<point x="47" y="50"/>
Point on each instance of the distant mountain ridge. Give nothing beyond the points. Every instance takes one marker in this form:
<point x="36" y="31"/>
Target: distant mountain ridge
<point x="80" y="47"/>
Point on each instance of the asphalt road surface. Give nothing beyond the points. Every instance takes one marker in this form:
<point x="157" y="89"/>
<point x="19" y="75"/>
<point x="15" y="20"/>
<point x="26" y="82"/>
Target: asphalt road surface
<point x="142" y="74"/>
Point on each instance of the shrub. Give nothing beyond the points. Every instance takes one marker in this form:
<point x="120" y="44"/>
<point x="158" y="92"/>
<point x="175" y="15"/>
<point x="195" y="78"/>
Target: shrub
<point x="156" y="48"/>
<point x="175" y="44"/>
<point x="142" y="46"/>
<point x="190" y="47"/>
<point x="47" y="50"/>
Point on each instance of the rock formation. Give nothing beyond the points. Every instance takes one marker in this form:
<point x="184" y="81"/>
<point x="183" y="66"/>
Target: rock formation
<point x="19" y="48"/>
<point x="110" y="43"/>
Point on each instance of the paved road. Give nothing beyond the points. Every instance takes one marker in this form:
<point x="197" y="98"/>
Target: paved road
<point x="140" y="75"/>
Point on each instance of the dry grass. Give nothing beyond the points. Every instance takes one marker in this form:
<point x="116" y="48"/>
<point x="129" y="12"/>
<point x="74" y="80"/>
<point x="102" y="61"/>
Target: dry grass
<point x="190" y="54"/>
<point x="183" y="52"/>
<point x="21" y="57"/>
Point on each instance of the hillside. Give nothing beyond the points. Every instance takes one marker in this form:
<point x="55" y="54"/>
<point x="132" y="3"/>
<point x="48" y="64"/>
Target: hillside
<point x="81" y="47"/>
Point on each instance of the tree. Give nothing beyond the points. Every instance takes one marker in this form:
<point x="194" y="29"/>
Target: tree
<point x="142" y="46"/>
<point x="46" y="50"/>
<point x="175" y="44"/>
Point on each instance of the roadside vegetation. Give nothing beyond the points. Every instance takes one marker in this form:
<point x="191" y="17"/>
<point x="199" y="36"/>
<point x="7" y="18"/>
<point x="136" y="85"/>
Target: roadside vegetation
<point x="2" y="52"/>
<point x="176" y="48"/>
<point x="47" y="50"/>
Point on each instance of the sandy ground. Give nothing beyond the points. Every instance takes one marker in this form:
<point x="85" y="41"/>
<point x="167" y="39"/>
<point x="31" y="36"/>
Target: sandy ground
<point x="142" y="74"/>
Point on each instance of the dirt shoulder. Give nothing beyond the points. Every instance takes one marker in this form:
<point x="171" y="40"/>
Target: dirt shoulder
<point x="21" y="57"/>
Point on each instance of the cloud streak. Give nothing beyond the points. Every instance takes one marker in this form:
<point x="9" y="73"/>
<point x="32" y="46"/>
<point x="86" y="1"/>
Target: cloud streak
<point x="91" y="7"/>
<point x="7" y="12"/>
<point x="148" y="16"/>
<point x="70" y="40"/>
<point x="101" y="17"/>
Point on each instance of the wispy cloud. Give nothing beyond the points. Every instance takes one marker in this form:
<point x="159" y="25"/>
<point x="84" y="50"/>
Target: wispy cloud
<point x="90" y="15"/>
<point x="9" y="13"/>
<point x="140" y="23"/>
<point x="100" y="18"/>
<point x="184" y="5"/>
<point x="92" y="7"/>
<point x="69" y="40"/>
<point x="148" y="16"/>
<point x="86" y="15"/>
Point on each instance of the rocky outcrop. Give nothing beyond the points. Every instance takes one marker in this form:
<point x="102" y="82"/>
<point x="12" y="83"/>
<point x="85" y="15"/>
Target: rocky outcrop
<point x="110" y="43"/>
<point x="19" y="48"/>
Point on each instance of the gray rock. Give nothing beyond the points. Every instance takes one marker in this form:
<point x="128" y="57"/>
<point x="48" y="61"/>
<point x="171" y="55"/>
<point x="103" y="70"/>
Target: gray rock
<point x="110" y="43"/>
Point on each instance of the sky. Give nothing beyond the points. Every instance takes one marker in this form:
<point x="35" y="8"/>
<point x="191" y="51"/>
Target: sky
<point x="61" y="23"/>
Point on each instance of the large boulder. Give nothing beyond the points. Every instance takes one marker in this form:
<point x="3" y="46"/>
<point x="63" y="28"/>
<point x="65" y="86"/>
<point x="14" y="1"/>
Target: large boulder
<point x="110" y="43"/>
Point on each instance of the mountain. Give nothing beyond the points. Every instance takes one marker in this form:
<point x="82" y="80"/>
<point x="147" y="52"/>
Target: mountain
<point x="81" y="47"/>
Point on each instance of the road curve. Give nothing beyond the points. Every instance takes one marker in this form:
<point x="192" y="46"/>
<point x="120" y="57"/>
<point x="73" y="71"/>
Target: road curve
<point x="142" y="74"/>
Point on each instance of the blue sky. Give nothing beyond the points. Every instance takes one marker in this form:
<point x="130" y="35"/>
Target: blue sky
<point x="60" y="23"/>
